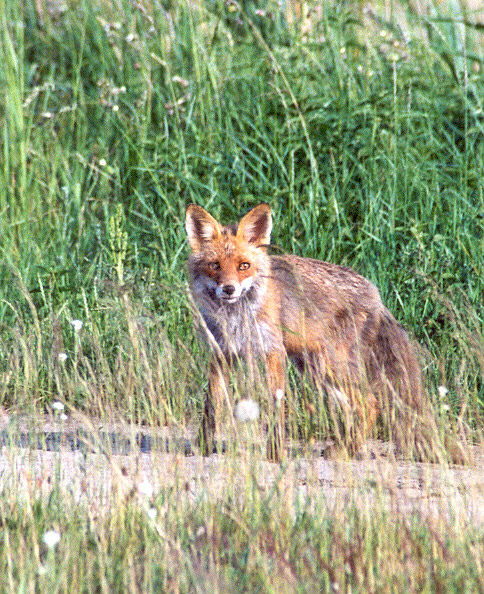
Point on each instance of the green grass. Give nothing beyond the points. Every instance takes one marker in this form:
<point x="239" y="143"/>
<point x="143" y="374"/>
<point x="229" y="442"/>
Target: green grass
<point x="263" y="544"/>
<point x="365" y="138"/>
<point x="364" y="134"/>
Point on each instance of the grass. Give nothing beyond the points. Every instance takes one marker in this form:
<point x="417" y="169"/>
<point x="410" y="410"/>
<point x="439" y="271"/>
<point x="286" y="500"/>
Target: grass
<point x="264" y="541"/>
<point x="362" y="129"/>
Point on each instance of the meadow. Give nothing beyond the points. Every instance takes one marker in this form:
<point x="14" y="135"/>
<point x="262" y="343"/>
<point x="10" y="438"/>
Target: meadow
<point x="362" y="127"/>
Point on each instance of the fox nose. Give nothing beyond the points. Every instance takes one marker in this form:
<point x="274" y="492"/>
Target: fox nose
<point x="229" y="289"/>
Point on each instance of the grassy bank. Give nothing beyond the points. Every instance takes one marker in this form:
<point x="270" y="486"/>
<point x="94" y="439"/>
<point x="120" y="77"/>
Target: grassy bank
<point x="363" y="131"/>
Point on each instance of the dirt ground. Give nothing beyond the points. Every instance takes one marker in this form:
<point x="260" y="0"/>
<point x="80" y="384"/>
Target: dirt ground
<point x="95" y="476"/>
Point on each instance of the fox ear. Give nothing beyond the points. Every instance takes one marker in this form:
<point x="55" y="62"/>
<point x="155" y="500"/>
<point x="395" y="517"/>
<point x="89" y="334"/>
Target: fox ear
<point x="201" y="227"/>
<point x="256" y="225"/>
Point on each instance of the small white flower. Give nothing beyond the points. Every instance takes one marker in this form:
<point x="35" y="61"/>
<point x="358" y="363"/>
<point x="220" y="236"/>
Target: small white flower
<point x="102" y="162"/>
<point x="246" y="410"/>
<point x="181" y="81"/>
<point x="342" y="50"/>
<point x="62" y="357"/>
<point x="279" y="396"/>
<point x="445" y="408"/>
<point x="58" y="406"/>
<point x="51" y="538"/>
<point x="47" y="115"/>
<point x="152" y="513"/>
<point x="145" y="488"/>
<point x="115" y="107"/>
<point x="443" y="391"/>
<point x="77" y="324"/>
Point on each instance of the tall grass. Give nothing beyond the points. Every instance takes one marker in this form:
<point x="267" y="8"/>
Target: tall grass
<point x="363" y="134"/>
<point x="361" y="128"/>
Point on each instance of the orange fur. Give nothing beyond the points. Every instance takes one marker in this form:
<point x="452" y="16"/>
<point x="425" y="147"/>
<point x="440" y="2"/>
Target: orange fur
<point x="328" y="319"/>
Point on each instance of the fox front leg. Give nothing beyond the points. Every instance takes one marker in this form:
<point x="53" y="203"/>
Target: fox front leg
<point x="217" y="393"/>
<point x="275" y="365"/>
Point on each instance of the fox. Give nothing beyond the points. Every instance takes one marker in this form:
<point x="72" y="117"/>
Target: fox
<point x="326" y="318"/>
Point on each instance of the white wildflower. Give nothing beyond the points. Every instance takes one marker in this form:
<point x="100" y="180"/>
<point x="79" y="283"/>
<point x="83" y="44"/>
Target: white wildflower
<point x="443" y="391"/>
<point x="145" y="488"/>
<point x="246" y="410"/>
<point x="51" y="538"/>
<point x="181" y="81"/>
<point x="118" y="90"/>
<point x="115" y="108"/>
<point x="78" y="324"/>
<point x="102" y="162"/>
<point x="57" y="406"/>
<point x="279" y="396"/>
<point x="62" y="357"/>
<point x="152" y="513"/>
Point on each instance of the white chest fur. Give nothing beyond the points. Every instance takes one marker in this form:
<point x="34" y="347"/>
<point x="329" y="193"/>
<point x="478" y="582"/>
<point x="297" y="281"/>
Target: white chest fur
<point x="238" y="332"/>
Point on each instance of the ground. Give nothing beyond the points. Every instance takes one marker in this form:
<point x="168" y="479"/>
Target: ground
<point x="77" y="456"/>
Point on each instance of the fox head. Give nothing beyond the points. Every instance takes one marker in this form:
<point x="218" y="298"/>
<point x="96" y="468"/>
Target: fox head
<point x="228" y="262"/>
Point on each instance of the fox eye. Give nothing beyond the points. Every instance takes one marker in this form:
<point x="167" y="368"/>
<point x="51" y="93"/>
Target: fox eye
<point x="244" y="265"/>
<point x="214" y="265"/>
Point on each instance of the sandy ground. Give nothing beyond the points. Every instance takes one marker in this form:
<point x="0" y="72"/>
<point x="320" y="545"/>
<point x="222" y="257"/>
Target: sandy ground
<point x="98" y="478"/>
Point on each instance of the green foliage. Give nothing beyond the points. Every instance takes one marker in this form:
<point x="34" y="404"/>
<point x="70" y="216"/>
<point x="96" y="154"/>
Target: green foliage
<point x="364" y="135"/>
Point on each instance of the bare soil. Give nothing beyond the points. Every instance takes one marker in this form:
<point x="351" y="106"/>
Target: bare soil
<point x="98" y="478"/>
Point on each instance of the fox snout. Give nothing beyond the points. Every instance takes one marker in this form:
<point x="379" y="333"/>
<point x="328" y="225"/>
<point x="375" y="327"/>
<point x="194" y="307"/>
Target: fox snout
<point x="229" y="292"/>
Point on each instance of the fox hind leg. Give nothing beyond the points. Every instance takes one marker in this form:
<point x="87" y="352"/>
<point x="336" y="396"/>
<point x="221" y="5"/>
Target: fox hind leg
<point x="275" y="365"/>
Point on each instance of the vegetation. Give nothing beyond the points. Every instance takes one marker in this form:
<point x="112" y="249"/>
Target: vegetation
<point x="361" y="128"/>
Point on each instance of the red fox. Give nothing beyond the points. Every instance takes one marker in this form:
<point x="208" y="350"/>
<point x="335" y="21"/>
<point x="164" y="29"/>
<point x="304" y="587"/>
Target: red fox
<point x="327" y="319"/>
